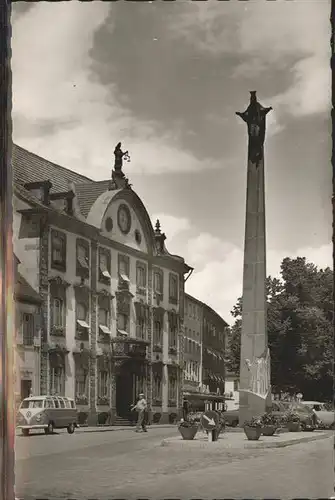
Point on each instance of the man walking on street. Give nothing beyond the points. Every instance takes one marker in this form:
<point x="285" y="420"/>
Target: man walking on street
<point x="141" y="407"/>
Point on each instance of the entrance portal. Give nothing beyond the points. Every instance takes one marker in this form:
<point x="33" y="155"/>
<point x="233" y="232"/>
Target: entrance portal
<point x="130" y="382"/>
<point x="124" y="392"/>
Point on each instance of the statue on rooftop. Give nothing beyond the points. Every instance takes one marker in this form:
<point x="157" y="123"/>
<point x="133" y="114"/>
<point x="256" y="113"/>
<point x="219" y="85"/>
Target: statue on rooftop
<point x="119" y="156"/>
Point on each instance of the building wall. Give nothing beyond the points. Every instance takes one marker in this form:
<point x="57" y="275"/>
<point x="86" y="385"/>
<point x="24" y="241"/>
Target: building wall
<point x="26" y="353"/>
<point x="193" y="344"/>
<point x="214" y="338"/>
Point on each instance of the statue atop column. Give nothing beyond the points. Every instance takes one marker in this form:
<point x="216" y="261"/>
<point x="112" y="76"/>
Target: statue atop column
<point x="255" y="118"/>
<point x="119" y="180"/>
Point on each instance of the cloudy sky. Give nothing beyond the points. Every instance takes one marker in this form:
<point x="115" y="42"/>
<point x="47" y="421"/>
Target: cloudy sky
<point x="166" y="80"/>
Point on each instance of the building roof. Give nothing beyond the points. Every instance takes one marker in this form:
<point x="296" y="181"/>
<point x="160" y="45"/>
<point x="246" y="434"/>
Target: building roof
<point x="88" y="192"/>
<point x="24" y="292"/>
<point x="206" y="307"/>
<point x="28" y="167"/>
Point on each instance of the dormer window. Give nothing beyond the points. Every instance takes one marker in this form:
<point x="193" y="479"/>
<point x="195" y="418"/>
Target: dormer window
<point x="58" y="250"/>
<point x="104" y="266"/>
<point x="82" y="260"/>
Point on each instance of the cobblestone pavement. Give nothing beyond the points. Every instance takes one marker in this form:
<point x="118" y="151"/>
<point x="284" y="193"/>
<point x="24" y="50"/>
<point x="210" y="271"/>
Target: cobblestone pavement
<point x="129" y="465"/>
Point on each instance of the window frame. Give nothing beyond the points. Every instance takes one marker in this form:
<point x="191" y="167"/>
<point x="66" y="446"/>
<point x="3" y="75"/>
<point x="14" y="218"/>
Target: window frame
<point x="27" y="337"/>
<point x="59" y="264"/>
<point x="104" y="252"/>
<point x="173" y="288"/>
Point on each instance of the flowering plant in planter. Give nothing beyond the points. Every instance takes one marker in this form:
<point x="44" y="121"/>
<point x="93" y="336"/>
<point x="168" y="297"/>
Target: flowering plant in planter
<point x="188" y="429"/>
<point x="253" y="428"/>
<point x="292" y="416"/>
<point x="269" y="419"/>
<point x="255" y="422"/>
<point x="187" y="424"/>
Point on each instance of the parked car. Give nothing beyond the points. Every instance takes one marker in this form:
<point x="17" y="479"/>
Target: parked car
<point x="308" y="418"/>
<point x="48" y="413"/>
<point x="323" y="411"/>
<point x="232" y="416"/>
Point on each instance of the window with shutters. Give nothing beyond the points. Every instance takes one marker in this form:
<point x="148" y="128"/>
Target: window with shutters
<point x="103" y="384"/>
<point x="58" y="250"/>
<point x="158" y="335"/>
<point x="157" y="388"/>
<point x="172" y="389"/>
<point x="104" y="266"/>
<point x="82" y="258"/>
<point x="173" y="288"/>
<point x="158" y="283"/>
<point x="81" y="383"/>
<point x="27" y="325"/>
<point x="82" y="328"/>
<point x="141" y="278"/>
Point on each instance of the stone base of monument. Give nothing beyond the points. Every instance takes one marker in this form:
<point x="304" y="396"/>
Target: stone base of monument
<point x="238" y="440"/>
<point x="252" y="405"/>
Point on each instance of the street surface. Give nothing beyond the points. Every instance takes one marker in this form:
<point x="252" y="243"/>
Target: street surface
<point x="124" y="464"/>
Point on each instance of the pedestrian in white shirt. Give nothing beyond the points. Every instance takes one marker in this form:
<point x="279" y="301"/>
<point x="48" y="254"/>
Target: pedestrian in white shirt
<point x="141" y="408"/>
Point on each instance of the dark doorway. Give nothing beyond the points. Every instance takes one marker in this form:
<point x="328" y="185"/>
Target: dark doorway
<point x="26" y="386"/>
<point x="124" y="392"/>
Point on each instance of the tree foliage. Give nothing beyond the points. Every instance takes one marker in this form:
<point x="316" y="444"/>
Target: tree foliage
<point x="300" y="330"/>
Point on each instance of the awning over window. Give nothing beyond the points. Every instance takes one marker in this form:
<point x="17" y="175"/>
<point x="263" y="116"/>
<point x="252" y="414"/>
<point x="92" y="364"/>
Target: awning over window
<point x="123" y="332"/>
<point x="105" y="329"/>
<point x="105" y="273"/>
<point x="125" y="278"/>
<point x="82" y="323"/>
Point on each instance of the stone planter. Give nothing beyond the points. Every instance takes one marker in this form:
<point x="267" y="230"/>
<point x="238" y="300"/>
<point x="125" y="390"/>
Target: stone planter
<point x="294" y="426"/>
<point x="188" y="433"/>
<point x="269" y="430"/>
<point x="253" y="433"/>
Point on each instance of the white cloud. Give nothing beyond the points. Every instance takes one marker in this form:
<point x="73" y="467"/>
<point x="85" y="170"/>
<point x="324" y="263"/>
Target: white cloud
<point x="62" y="112"/>
<point x="218" y="264"/>
<point x="292" y="37"/>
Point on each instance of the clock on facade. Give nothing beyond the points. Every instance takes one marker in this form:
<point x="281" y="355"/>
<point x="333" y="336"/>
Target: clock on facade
<point x="124" y="218"/>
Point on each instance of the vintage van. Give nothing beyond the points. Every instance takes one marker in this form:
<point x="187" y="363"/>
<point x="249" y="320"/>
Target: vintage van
<point x="48" y="413"/>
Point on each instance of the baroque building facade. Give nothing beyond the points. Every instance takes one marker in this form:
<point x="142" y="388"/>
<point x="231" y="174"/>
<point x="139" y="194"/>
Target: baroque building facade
<point x="112" y="296"/>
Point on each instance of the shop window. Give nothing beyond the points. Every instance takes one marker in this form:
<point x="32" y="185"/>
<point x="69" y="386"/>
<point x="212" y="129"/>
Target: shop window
<point x="58" y="250"/>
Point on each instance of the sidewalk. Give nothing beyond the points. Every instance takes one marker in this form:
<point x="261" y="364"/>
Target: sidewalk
<point x="239" y="440"/>
<point x="108" y="428"/>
